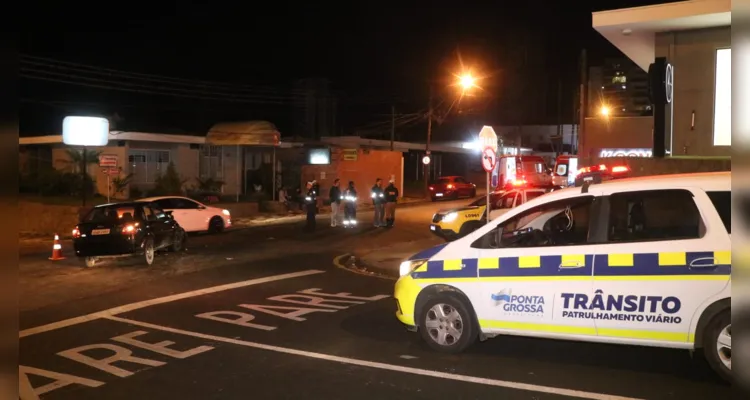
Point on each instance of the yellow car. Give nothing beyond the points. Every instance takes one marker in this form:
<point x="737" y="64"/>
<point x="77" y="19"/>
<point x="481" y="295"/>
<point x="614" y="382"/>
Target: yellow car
<point x="458" y="222"/>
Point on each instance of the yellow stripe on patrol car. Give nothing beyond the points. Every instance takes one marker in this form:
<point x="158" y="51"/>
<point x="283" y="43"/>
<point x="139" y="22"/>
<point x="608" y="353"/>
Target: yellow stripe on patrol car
<point x="422" y="268"/>
<point x="723" y="257"/>
<point x="574" y="258"/>
<point x="452" y="265"/>
<point x="672" y="259"/>
<point x="489" y="263"/>
<point x="587" y="331"/>
<point x="529" y="262"/>
<point x="620" y="260"/>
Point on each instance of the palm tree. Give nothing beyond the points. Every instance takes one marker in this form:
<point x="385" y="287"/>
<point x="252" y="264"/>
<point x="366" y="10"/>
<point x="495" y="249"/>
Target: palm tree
<point x="75" y="157"/>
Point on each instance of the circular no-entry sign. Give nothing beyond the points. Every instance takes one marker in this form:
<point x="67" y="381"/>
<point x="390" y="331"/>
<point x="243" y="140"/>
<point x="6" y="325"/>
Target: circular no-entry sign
<point x="488" y="159"/>
<point x="426" y="160"/>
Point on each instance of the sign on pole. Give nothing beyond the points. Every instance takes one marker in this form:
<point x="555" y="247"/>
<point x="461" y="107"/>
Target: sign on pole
<point x="488" y="159"/>
<point x="426" y="160"/>
<point x="108" y="160"/>
<point x="488" y="138"/>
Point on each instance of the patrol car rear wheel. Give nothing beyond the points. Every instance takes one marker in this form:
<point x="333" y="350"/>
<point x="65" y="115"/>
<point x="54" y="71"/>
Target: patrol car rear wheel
<point x="447" y="325"/>
<point x="717" y="344"/>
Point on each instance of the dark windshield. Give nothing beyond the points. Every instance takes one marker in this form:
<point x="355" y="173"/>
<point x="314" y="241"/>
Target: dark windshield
<point x="443" y="181"/>
<point x="112" y="213"/>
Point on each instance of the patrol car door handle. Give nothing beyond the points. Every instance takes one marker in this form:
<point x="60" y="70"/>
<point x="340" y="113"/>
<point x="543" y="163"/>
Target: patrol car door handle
<point x="705" y="262"/>
<point x="571" y="265"/>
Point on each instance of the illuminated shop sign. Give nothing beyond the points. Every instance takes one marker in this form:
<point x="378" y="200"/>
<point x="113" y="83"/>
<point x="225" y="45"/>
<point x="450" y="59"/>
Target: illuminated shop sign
<point x="607" y="153"/>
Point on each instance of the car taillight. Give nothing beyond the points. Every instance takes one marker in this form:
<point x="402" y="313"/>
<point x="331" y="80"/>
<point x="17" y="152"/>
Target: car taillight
<point x="76" y="232"/>
<point x="519" y="182"/>
<point x="450" y="186"/>
<point x="620" y="169"/>
<point x="432" y="187"/>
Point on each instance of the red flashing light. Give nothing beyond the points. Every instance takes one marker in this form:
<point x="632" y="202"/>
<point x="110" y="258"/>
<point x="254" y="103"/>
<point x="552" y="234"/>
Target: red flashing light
<point x="620" y="168"/>
<point x="518" y="182"/>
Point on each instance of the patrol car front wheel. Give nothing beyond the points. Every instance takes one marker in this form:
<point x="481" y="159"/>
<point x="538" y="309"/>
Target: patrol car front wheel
<point x="717" y="346"/>
<point x="447" y="325"/>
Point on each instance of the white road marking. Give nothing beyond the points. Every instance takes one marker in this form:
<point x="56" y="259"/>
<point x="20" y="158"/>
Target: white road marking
<point x="161" y="300"/>
<point x="383" y="366"/>
<point x="407" y="357"/>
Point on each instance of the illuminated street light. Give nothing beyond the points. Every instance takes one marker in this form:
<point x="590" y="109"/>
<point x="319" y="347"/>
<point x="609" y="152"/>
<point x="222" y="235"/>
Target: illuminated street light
<point x="467" y="81"/>
<point x="604" y="111"/>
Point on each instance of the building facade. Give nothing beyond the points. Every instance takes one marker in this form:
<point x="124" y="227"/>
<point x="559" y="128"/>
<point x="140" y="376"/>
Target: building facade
<point x="695" y="38"/>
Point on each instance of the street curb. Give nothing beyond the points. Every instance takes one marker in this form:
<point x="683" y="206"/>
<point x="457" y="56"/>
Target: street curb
<point x="364" y="270"/>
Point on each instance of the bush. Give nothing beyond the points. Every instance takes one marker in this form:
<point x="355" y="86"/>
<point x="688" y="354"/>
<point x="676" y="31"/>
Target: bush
<point x="169" y="183"/>
<point x="51" y="182"/>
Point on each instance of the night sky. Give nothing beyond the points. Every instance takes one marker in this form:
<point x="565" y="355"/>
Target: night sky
<point x="220" y="61"/>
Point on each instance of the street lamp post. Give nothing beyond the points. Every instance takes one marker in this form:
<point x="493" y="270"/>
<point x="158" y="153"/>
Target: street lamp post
<point x="85" y="131"/>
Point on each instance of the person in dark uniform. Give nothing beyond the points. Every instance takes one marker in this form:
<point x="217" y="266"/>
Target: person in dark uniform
<point x="391" y="197"/>
<point x="350" y="206"/>
<point x="311" y="207"/>
<point x="335" y="197"/>
<point x="378" y="200"/>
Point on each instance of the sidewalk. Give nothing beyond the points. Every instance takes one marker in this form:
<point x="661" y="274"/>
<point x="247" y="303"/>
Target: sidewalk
<point x="386" y="260"/>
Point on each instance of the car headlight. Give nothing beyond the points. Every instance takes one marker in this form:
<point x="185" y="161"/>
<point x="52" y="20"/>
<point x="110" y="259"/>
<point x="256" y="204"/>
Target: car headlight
<point x="408" y="266"/>
<point x="225" y="212"/>
<point x="450" y="217"/>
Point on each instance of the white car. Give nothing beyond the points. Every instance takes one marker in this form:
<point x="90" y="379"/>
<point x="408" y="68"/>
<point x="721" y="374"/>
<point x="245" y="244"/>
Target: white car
<point x="641" y="261"/>
<point x="514" y="198"/>
<point x="192" y="215"/>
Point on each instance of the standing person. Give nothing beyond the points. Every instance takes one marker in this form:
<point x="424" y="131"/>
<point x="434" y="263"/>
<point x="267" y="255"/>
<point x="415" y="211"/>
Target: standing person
<point x="391" y="197"/>
<point x="350" y="206"/>
<point x="311" y="207"/>
<point x="334" y="195"/>
<point x="378" y="200"/>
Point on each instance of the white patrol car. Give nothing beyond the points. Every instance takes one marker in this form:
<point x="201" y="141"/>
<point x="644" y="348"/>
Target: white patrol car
<point x="641" y="261"/>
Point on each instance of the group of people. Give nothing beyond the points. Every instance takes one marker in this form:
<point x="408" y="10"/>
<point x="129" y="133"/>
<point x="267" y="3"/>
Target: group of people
<point x="383" y="199"/>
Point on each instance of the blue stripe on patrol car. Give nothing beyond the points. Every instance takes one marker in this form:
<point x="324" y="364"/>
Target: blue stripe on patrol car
<point x="638" y="264"/>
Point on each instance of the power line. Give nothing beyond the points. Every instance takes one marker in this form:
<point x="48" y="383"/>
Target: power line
<point x="33" y="74"/>
<point x="95" y="70"/>
<point x="153" y="92"/>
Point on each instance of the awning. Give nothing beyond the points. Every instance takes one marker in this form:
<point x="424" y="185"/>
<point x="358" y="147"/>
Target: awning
<point x="633" y="30"/>
<point x="244" y="133"/>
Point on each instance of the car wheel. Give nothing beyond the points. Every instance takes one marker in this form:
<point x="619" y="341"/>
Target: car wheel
<point x="148" y="251"/>
<point x="468" y="228"/>
<point x="717" y="344"/>
<point x="447" y="325"/>
<point x="216" y="225"/>
<point x="90" y="262"/>
<point x="434" y="199"/>
<point x="178" y="242"/>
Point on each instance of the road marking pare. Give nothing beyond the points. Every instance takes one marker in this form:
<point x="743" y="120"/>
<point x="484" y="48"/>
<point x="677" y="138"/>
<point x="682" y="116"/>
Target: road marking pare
<point x="127" y="363"/>
<point x="161" y="300"/>
<point x="313" y="300"/>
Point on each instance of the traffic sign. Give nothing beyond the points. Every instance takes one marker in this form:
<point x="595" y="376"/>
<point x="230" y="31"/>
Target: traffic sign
<point x="426" y="160"/>
<point x="488" y="138"/>
<point x="111" y="171"/>
<point x="108" y="160"/>
<point x="488" y="159"/>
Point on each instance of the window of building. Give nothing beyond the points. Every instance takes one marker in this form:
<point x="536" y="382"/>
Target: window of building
<point x="147" y="165"/>
<point x="723" y="98"/>
<point x="211" y="162"/>
<point x="653" y="215"/>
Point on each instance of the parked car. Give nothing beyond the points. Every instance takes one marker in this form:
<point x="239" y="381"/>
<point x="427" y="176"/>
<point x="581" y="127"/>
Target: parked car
<point x="126" y="229"/>
<point x="458" y="222"/>
<point x="192" y="215"/>
<point x="514" y="198"/>
<point x="452" y="187"/>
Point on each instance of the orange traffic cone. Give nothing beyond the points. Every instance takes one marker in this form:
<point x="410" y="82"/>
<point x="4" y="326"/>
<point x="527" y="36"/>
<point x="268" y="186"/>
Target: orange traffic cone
<point x="57" y="250"/>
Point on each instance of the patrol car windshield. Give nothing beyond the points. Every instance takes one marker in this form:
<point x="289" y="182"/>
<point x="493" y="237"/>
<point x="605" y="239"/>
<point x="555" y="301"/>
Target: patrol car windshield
<point x="483" y="200"/>
<point x="560" y="223"/>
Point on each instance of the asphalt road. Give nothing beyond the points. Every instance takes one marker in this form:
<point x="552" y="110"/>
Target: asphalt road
<point x="241" y="330"/>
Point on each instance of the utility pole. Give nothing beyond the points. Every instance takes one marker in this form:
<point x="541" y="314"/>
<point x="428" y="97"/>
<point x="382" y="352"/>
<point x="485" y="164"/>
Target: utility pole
<point x="582" y="106"/>
<point x="427" y="147"/>
<point x="393" y="125"/>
